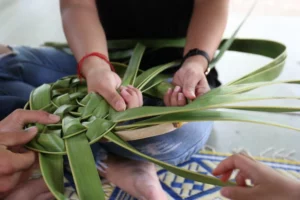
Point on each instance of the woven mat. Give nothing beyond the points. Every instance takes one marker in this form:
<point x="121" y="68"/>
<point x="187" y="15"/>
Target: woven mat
<point x="179" y="188"/>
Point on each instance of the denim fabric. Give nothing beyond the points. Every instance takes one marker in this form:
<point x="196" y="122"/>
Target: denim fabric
<point x="27" y="68"/>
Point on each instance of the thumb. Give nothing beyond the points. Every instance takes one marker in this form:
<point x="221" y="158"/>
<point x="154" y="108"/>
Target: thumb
<point x="18" y="138"/>
<point x="114" y="99"/>
<point x="189" y="87"/>
<point x="237" y="193"/>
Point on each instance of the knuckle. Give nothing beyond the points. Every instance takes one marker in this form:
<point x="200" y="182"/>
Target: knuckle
<point x="41" y="114"/>
<point x="17" y="114"/>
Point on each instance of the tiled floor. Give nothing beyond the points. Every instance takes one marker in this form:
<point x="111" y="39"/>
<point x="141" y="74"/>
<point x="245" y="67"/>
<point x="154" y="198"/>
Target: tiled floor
<point x="32" y="22"/>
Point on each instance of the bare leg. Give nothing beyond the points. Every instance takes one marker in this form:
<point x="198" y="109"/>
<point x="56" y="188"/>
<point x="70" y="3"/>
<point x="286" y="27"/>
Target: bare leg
<point x="138" y="178"/>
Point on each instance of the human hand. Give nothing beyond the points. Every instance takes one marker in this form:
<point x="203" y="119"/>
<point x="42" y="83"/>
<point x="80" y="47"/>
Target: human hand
<point x="102" y="80"/>
<point x="132" y="96"/>
<point x="191" y="77"/>
<point x="16" y="163"/>
<point x="267" y="183"/>
<point x="35" y="189"/>
<point x="174" y="97"/>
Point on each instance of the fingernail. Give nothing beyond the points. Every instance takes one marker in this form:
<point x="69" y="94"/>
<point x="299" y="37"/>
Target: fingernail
<point x="54" y="117"/>
<point x="130" y="86"/>
<point x="169" y="91"/>
<point x="122" y="88"/>
<point x="177" y="89"/>
<point x="120" y="106"/>
<point x="192" y="93"/>
<point x="32" y="129"/>
<point x="180" y="97"/>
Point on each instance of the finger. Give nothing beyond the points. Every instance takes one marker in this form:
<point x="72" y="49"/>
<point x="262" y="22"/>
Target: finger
<point x="174" y="96"/>
<point x="189" y="86"/>
<point x="14" y="162"/>
<point x="226" y="176"/>
<point x="247" y="166"/>
<point x="111" y="95"/>
<point x="118" y="80"/>
<point x="29" y="190"/>
<point x="139" y="94"/>
<point x="202" y="87"/>
<point x="45" y="196"/>
<point x="18" y="138"/>
<point x="130" y="97"/>
<point x="240" y="179"/>
<point x="19" y="118"/>
<point x="237" y="193"/>
<point x="167" y="97"/>
<point x="181" y="99"/>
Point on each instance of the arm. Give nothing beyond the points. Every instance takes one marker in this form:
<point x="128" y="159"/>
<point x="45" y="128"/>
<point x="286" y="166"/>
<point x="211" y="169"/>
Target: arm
<point x="205" y="32"/>
<point x="83" y="29"/>
<point x="85" y="35"/>
<point x="207" y="26"/>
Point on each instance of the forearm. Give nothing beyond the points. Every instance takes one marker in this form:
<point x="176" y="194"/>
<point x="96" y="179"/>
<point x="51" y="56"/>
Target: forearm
<point x="207" y="26"/>
<point x="83" y="29"/>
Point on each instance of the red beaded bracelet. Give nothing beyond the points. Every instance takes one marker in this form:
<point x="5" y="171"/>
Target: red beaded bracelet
<point x="99" y="55"/>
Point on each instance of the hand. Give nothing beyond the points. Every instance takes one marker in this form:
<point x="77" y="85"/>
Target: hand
<point x="191" y="78"/>
<point x="132" y="96"/>
<point x="174" y="97"/>
<point x="35" y="189"/>
<point x="15" y="162"/>
<point x="268" y="184"/>
<point x="102" y="80"/>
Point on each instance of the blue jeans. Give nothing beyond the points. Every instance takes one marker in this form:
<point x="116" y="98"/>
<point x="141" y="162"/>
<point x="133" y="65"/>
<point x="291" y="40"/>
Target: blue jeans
<point x="27" y="68"/>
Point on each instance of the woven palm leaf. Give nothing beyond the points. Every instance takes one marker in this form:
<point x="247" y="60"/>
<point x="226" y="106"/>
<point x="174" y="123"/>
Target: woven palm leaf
<point x="86" y="118"/>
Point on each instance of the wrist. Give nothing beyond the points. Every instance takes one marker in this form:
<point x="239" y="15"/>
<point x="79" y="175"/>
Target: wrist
<point x="199" y="62"/>
<point x="92" y="63"/>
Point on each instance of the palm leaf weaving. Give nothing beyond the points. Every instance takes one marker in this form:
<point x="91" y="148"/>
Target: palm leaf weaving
<point x="86" y="118"/>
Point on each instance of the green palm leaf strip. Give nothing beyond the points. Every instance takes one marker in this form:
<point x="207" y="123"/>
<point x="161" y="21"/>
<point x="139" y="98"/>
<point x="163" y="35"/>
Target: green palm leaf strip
<point x="176" y="170"/>
<point x="210" y="115"/>
<point x="84" y="170"/>
<point x="133" y="65"/>
<point x="52" y="168"/>
<point x="86" y="118"/>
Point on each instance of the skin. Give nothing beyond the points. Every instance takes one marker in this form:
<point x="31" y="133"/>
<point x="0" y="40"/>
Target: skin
<point x="267" y="183"/>
<point x="205" y="31"/>
<point x="17" y="163"/>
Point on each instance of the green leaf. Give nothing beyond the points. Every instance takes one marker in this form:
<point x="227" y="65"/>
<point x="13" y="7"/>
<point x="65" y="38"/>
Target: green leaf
<point x="53" y="173"/>
<point x="64" y="109"/>
<point x="40" y="98"/>
<point x="97" y="128"/>
<point x="71" y="126"/>
<point x="201" y="103"/>
<point x="84" y="170"/>
<point x="176" y="170"/>
<point x="226" y="44"/>
<point x="133" y="65"/>
<point x="47" y="143"/>
<point x="93" y="102"/>
<point x="147" y="76"/>
<point x="211" y="115"/>
<point x="271" y="49"/>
